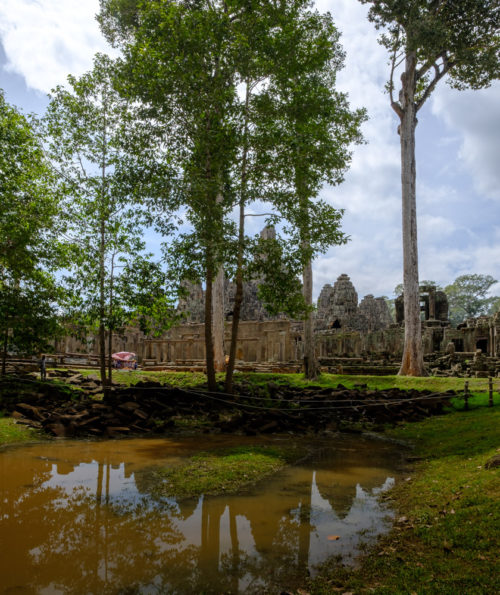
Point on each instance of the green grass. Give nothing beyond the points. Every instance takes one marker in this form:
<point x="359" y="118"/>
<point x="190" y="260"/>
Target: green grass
<point x="222" y="472"/>
<point x="11" y="433"/>
<point x="448" y="535"/>
<point x="131" y="377"/>
<point x="185" y="379"/>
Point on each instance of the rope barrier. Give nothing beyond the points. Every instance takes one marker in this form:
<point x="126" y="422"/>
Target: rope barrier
<point x="254" y="398"/>
<point x="303" y="405"/>
<point x="312" y="409"/>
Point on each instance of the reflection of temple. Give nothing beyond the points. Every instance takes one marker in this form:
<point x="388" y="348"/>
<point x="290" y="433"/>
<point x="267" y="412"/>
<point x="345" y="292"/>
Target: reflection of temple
<point x="88" y="528"/>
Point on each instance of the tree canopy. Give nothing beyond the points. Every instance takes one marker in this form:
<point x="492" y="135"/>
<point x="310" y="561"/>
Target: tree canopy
<point x="29" y="246"/>
<point x="91" y="129"/>
<point x="186" y="62"/>
<point x="28" y="205"/>
<point x="468" y="296"/>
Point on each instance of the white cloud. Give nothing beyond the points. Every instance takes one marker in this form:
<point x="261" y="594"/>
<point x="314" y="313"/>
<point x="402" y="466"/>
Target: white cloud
<point x="475" y="117"/>
<point x="45" y="40"/>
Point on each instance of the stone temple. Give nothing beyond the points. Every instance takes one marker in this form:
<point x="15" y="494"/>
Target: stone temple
<point x="350" y="335"/>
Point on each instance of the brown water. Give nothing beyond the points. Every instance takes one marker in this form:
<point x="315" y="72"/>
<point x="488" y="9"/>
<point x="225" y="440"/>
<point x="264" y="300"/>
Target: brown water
<point x="76" y="517"/>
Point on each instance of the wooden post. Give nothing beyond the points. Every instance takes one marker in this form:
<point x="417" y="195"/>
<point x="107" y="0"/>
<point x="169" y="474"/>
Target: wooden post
<point x="490" y="390"/>
<point x="466" y="396"/>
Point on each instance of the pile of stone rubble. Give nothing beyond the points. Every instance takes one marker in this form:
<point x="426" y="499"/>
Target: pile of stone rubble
<point x="150" y="407"/>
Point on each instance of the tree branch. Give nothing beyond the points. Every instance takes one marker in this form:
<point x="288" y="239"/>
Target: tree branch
<point x="260" y="215"/>
<point x="438" y="75"/>
<point x="422" y="71"/>
<point x="394" y="104"/>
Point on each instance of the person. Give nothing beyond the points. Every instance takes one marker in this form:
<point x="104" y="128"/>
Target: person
<point x="43" y="368"/>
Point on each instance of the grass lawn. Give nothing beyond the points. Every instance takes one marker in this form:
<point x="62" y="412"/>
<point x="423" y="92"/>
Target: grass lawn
<point x="11" y="433"/>
<point x="222" y="471"/>
<point x="446" y="537"/>
<point x="191" y="379"/>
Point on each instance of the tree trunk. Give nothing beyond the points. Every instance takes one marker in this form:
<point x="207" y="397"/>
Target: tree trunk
<point x="102" y="254"/>
<point x="238" y="298"/>
<point x="4" y="351"/>
<point x="218" y="317"/>
<point x="102" y="329"/>
<point x="110" y="314"/>
<point x="218" y="321"/>
<point x="110" y="359"/>
<point x="310" y="364"/>
<point x="413" y="360"/>
<point x="209" y="346"/>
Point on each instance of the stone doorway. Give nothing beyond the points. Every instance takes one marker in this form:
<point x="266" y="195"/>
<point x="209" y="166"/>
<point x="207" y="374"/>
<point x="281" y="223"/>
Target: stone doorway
<point x="482" y="344"/>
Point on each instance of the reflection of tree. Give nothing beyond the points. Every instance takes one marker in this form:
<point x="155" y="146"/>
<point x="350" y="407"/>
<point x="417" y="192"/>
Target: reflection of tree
<point x="83" y="532"/>
<point x="74" y="542"/>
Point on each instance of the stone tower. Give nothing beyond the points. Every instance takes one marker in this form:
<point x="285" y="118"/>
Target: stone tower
<point x="325" y="301"/>
<point x="343" y="304"/>
<point x="374" y="314"/>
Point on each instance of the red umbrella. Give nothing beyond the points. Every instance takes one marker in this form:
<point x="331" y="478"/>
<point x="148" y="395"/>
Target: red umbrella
<point x="123" y="356"/>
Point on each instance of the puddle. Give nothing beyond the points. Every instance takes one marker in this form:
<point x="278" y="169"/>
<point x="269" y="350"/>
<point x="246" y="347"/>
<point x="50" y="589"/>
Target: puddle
<point x="76" y="517"/>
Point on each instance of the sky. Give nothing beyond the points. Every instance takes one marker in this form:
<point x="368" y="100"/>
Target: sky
<point x="458" y="146"/>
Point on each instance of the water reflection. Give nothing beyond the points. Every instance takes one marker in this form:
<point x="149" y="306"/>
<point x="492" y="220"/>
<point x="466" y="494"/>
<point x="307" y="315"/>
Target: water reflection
<point x="77" y="518"/>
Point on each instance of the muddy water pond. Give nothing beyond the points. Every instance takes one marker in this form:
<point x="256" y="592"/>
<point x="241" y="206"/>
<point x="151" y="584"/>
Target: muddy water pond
<point x="77" y="517"/>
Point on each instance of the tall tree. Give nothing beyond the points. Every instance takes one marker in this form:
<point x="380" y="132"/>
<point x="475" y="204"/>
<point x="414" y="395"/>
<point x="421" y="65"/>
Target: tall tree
<point x="179" y="61"/>
<point x="29" y="226"/>
<point x="291" y="106"/>
<point x="308" y="130"/>
<point x="186" y="60"/>
<point x="428" y="40"/>
<point x="87" y="125"/>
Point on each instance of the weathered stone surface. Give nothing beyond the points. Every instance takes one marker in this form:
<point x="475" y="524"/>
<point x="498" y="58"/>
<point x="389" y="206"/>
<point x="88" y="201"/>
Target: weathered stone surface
<point x="493" y="462"/>
<point x="30" y="411"/>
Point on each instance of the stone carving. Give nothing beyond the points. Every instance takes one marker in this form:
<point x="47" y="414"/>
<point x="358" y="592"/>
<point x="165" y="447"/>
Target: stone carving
<point x="192" y="305"/>
<point x="324" y="302"/>
<point x="338" y="308"/>
<point x="374" y="314"/>
<point x="344" y="304"/>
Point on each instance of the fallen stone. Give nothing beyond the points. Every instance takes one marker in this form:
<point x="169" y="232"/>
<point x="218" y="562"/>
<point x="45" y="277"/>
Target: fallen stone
<point x="76" y="379"/>
<point x="116" y="430"/>
<point x="94" y="391"/>
<point x="128" y="406"/>
<point x="92" y="385"/>
<point x="493" y="463"/>
<point x="140" y="414"/>
<point x="270" y="427"/>
<point x="24" y="422"/>
<point x="30" y="411"/>
<point x="58" y="430"/>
